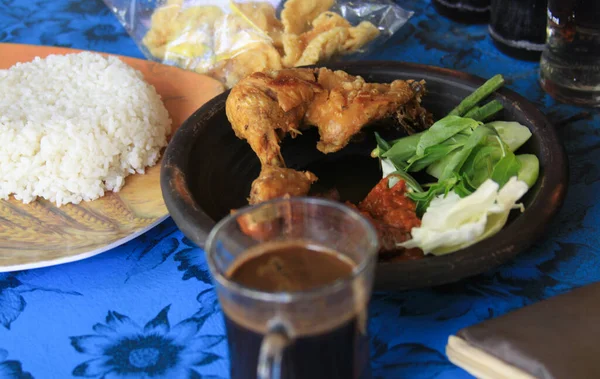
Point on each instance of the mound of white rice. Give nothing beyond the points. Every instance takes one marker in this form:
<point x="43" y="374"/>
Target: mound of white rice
<point x="73" y="126"/>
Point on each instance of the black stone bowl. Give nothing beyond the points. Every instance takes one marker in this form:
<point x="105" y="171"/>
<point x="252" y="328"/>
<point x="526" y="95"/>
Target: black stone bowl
<point x="207" y="171"/>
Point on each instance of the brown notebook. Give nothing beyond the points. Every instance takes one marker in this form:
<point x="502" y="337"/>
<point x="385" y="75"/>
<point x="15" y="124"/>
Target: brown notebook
<point x="558" y="338"/>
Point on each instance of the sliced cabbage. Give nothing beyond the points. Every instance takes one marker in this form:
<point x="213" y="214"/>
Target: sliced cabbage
<point x="452" y="223"/>
<point x="387" y="168"/>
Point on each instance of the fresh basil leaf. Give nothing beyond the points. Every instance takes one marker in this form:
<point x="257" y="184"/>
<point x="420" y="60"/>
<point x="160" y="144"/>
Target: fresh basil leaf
<point x="411" y="182"/>
<point x="432" y="155"/>
<point x="404" y="148"/>
<point x="442" y="130"/>
<point x="435" y="165"/>
<point x="382" y="144"/>
<point x="423" y="199"/>
<point x="464" y="187"/>
<point x="462" y="190"/>
<point x="399" y="164"/>
<point x="480" y="164"/>
<point x="506" y="168"/>
<point x="458" y="159"/>
<point x="437" y="168"/>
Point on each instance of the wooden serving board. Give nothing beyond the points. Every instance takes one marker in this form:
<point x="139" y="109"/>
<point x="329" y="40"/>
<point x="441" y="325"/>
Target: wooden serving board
<point x="41" y="234"/>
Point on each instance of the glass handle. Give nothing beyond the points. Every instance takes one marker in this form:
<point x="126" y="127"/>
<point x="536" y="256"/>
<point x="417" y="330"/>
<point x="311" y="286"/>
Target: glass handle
<point x="271" y="352"/>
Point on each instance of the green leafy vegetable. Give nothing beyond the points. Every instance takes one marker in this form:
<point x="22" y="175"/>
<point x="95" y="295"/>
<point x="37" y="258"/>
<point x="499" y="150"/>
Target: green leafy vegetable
<point x="403" y="148"/>
<point x="436" y="169"/>
<point x="423" y="199"/>
<point x="443" y="129"/>
<point x="377" y="152"/>
<point x="382" y="144"/>
<point x="432" y="154"/>
<point x="458" y="159"/>
<point x="460" y="151"/>
<point x="411" y="183"/>
<point x="513" y="134"/>
<point x="505" y="169"/>
<point x="480" y="164"/>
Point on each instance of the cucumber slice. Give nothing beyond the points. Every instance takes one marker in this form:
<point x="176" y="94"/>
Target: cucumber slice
<point x="530" y="169"/>
<point x="512" y="133"/>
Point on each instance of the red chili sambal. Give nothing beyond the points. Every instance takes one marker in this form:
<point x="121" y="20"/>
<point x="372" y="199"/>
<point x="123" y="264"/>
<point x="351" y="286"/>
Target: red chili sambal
<point x="394" y="215"/>
<point x="391" y="205"/>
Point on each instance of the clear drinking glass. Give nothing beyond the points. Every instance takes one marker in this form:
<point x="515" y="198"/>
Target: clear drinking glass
<point x="319" y="333"/>
<point x="570" y="64"/>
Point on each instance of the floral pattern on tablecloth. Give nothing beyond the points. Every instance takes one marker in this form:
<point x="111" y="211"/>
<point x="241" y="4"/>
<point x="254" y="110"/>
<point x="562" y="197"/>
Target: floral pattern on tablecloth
<point x="147" y="309"/>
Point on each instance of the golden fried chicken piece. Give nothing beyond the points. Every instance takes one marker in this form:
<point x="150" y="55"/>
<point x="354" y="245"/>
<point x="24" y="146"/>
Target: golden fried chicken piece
<point x="348" y="103"/>
<point x="274" y="182"/>
<point x="265" y="106"/>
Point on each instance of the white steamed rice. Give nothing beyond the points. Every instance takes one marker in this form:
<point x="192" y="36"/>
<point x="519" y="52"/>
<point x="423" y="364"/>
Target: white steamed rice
<point x="73" y="126"/>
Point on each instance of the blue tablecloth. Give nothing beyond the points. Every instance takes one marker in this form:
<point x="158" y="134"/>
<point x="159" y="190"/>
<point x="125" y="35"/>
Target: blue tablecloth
<point x="147" y="308"/>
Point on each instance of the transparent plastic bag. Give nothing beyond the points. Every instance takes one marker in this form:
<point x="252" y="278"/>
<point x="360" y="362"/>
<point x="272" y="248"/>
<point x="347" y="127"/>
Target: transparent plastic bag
<point x="230" y="39"/>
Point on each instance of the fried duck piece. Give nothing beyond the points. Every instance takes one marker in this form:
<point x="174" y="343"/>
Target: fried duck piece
<point x="274" y="182"/>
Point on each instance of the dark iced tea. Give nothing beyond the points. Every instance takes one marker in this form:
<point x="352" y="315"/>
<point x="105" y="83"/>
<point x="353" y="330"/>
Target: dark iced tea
<point x="294" y="291"/>
<point x="338" y="351"/>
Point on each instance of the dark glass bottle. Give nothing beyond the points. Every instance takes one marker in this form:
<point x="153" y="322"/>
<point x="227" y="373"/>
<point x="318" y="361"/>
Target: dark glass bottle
<point x="465" y="11"/>
<point x="518" y="27"/>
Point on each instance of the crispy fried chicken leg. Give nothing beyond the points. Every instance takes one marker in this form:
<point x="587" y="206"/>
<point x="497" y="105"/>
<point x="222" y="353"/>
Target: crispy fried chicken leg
<point x="274" y="182"/>
<point x="347" y="103"/>
<point x="265" y="106"/>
